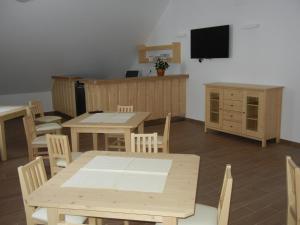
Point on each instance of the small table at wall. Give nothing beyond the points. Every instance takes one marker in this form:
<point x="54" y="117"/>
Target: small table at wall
<point x="113" y="123"/>
<point x="7" y="113"/>
<point x="176" y="200"/>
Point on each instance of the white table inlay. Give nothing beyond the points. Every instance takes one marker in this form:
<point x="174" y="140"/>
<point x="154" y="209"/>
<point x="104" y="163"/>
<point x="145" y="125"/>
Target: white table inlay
<point x="108" y="118"/>
<point x="122" y="173"/>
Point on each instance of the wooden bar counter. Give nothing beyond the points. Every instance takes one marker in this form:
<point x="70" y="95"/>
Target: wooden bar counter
<point x="158" y="95"/>
<point x="63" y="94"/>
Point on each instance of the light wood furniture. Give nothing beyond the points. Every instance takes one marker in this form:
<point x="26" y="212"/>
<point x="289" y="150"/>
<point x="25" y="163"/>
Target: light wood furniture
<point x="146" y="143"/>
<point x="117" y="140"/>
<point x="44" y="125"/>
<point x="207" y="215"/>
<point x="293" y="192"/>
<point x="176" y="201"/>
<point x="164" y="141"/>
<point x="158" y="95"/>
<point x="34" y="142"/>
<point x="175" y="49"/>
<point x="60" y="155"/>
<point x="38" y="114"/>
<point x="8" y="113"/>
<point x="252" y="111"/>
<point x="77" y="126"/>
<point x="63" y="94"/>
<point x="33" y="176"/>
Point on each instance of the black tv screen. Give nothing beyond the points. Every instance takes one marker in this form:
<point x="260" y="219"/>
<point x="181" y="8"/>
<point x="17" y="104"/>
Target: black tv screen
<point x="210" y="42"/>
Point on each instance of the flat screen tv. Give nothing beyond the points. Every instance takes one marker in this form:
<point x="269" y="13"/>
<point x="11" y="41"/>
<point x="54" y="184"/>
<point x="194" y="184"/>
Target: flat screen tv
<point x="210" y="42"/>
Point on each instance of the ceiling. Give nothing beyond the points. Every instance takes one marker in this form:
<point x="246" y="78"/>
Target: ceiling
<point x="94" y="38"/>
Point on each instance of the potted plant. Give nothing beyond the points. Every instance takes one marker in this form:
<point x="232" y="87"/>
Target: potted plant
<point x="161" y="65"/>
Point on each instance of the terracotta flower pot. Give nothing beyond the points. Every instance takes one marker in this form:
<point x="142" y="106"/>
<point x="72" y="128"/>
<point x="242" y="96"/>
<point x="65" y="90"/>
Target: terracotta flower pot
<point x="160" y="72"/>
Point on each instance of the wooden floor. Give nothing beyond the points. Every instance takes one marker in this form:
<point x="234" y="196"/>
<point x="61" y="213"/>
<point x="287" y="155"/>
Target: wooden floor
<point x="259" y="193"/>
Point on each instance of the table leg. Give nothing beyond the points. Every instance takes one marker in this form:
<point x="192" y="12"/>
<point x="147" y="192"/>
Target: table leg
<point x="74" y="139"/>
<point x="95" y="141"/>
<point x="169" y="221"/>
<point x="52" y="216"/>
<point x="2" y="142"/>
<point x="141" y="128"/>
<point x="127" y="140"/>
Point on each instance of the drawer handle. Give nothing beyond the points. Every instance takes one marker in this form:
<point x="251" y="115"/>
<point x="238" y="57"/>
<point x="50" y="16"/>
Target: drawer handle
<point x="231" y="116"/>
<point x="231" y="105"/>
<point x="230" y="126"/>
<point x="231" y="94"/>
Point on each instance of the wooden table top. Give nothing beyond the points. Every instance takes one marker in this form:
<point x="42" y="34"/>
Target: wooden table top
<point x="14" y="111"/>
<point x="133" y="122"/>
<point x="177" y="199"/>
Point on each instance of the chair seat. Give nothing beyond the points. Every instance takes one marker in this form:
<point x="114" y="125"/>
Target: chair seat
<point x="40" y="214"/>
<point x="40" y="140"/>
<point x="48" y="119"/>
<point x="47" y="127"/>
<point x="204" y="215"/>
<point x="160" y="140"/>
<point x="63" y="163"/>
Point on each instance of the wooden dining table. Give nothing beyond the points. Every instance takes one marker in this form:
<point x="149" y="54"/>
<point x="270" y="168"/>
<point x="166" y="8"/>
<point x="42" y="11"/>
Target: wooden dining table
<point x="176" y="200"/>
<point x="96" y="123"/>
<point x="8" y="113"/>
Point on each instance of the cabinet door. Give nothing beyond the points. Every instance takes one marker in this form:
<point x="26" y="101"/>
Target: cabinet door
<point x="252" y="113"/>
<point x="214" y="103"/>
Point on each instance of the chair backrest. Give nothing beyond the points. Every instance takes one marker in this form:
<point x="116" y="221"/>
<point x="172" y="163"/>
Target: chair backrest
<point x="145" y="143"/>
<point x="36" y="107"/>
<point x="32" y="176"/>
<point x="30" y="129"/>
<point x="125" y="108"/>
<point x="225" y="197"/>
<point x="58" y="149"/>
<point x="166" y="136"/>
<point x="293" y="192"/>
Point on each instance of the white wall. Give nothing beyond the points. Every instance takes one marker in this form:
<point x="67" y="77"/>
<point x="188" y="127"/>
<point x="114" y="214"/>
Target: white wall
<point x="269" y="54"/>
<point x="40" y="38"/>
<point x="22" y="99"/>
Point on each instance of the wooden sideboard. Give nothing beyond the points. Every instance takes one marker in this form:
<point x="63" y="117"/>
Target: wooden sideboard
<point x="158" y="95"/>
<point x="252" y="111"/>
<point x="63" y="94"/>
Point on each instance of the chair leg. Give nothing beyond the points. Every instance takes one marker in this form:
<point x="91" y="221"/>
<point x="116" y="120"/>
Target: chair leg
<point x="106" y="142"/>
<point x="92" y="221"/>
<point x="99" y="221"/>
<point x="31" y="152"/>
<point x="28" y="212"/>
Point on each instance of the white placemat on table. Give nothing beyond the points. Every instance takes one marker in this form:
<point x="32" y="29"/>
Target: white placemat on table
<point x="129" y="165"/>
<point x="122" y="173"/>
<point x="108" y="118"/>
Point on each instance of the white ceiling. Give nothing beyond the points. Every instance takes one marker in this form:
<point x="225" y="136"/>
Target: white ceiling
<point x="39" y="38"/>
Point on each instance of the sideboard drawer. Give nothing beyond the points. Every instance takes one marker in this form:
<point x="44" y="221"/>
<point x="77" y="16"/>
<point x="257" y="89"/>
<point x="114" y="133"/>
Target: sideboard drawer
<point x="233" y="105"/>
<point x="232" y="126"/>
<point x="232" y="116"/>
<point x="233" y="94"/>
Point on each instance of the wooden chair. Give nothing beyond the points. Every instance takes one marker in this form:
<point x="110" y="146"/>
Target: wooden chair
<point x="32" y="176"/>
<point x="38" y="113"/>
<point x="116" y="141"/>
<point x="293" y="192"/>
<point x="207" y="215"/>
<point x="34" y="142"/>
<point x="44" y="128"/>
<point x="145" y="143"/>
<point x="59" y="151"/>
<point x="163" y="141"/>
